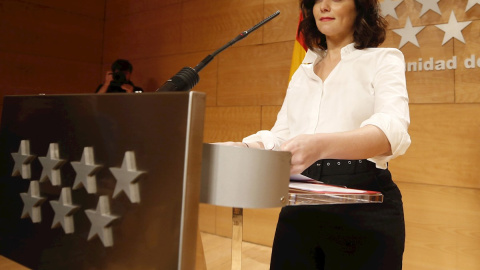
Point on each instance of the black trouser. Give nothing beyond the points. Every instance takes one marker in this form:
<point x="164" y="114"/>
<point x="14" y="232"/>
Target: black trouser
<point x="347" y="237"/>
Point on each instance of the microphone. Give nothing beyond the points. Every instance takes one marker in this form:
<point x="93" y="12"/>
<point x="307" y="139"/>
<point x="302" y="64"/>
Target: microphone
<point x="188" y="77"/>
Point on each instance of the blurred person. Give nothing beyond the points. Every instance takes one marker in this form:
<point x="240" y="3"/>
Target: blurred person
<point x="117" y="80"/>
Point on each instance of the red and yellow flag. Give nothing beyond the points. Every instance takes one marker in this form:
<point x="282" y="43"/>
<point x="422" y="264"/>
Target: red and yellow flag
<point x="299" y="50"/>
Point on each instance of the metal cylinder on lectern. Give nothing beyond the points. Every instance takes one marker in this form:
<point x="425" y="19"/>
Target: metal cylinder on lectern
<point x="244" y="177"/>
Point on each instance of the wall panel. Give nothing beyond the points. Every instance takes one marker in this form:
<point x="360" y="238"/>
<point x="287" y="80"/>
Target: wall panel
<point x="147" y="34"/>
<point x="467" y="88"/>
<point x="230" y="123"/>
<point x="121" y="8"/>
<point x="269" y="116"/>
<point x="442" y="227"/>
<point x="254" y="75"/>
<point x="445" y="146"/>
<point x="208" y="25"/>
<point x="43" y="31"/>
<point x="89" y="8"/>
<point x="22" y="74"/>
<point x="284" y="26"/>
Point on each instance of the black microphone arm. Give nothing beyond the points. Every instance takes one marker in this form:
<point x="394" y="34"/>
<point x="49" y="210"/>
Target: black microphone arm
<point x="188" y="77"/>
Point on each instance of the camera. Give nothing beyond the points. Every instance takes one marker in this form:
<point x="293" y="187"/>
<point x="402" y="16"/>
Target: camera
<point x="119" y="78"/>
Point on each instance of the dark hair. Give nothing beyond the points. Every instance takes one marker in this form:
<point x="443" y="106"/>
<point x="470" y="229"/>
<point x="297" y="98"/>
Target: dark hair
<point x="122" y="65"/>
<point x="369" y="26"/>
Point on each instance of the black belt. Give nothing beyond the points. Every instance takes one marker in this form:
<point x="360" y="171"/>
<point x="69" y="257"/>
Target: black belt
<point x="338" y="167"/>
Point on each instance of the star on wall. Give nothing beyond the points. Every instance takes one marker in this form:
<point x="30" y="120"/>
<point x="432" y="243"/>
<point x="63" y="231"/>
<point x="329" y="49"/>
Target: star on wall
<point x="101" y="219"/>
<point x="388" y="8"/>
<point x="453" y="29"/>
<point x="22" y="159"/>
<point x="408" y="33"/>
<point x="64" y="210"/>
<point x="127" y="178"/>
<point x="86" y="170"/>
<point x="32" y="202"/>
<point x="471" y="3"/>
<point x="51" y="165"/>
<point x="429" y="5"/>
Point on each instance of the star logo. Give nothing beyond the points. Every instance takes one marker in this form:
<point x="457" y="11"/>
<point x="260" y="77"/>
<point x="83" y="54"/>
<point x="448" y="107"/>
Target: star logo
<point x="471" y="3"/>
<point x="32" y="202"/>
<point x="51" y="165"/>
<point x="64" y="210"/>
<point x="453" y="29"/>
<point x="388" y="8"/>
<point x="101" y="220"/>
<point x="127" y="178"/>
<point x="408" y="33"/>
<point x="429" y="5"/>
<point x="86" y="170"/>
<point x="22" y="159"/>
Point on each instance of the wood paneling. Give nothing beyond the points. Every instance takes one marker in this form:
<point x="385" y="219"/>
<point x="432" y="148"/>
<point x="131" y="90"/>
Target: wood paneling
<point x="120" y="8"/>
<point x="230" y="123"/>
<point x="284" y="26"/>
<point x="259" y="225"/>
<point x="206" y="218"/>
<point x="269" y="116"/>
<point x="89" y="8"/>
<point x="467" y="80"/>
<point x="254" y="75"/>
<point x="208" y="25"/>
<point x="43" y="31"/>
<point x="445" y="146"/>
<point x="442" y="226"/>
<point x="223" y="221"/>
<point x="26" y="74"/>
<point x="143" y="35"/>
<point x="6" y="263"/>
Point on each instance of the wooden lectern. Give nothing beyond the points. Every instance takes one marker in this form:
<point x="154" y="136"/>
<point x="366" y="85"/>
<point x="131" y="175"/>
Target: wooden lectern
<point x="101" y="181"/>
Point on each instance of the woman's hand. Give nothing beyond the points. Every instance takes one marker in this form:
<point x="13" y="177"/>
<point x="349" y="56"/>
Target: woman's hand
<point x="305" y="151"/>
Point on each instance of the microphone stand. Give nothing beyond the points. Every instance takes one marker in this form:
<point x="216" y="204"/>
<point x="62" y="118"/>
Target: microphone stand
<point x="188" y="77"/>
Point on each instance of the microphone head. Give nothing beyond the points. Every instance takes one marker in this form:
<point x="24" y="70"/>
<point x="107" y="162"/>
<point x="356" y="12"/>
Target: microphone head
<point x="184" y="80"/>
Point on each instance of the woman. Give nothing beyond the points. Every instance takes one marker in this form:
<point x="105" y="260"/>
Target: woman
<point x="345" y="115"/>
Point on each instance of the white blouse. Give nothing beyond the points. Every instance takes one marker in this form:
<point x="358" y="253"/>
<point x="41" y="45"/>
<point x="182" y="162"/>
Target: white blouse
<point x="367" y="87"/>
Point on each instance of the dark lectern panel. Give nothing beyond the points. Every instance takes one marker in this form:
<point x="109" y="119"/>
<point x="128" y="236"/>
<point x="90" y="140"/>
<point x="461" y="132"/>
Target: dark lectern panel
<point x="139" y="140"/>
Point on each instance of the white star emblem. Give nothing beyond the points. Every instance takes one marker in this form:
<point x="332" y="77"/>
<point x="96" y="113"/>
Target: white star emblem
<point x="453" y="29"/>
<point x="22" y="160"/>
<point x="101" y="219"/>
<point x="64" y="209"/>
<point x="429" y="5"/>
<point x="127" y="178"/>
<point x="388" y="8"/>
<point x="51" y="165"/>
<point x="408" y="33"/>
<point x="32" y="202"/>
<point x="86" y="170"/>
<point x="471" y="3"/>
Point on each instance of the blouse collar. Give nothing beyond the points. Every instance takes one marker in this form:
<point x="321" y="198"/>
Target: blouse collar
<point x="315" y="56"/>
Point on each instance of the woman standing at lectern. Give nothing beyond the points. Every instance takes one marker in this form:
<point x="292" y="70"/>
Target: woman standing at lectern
<point x="344" y="117"/>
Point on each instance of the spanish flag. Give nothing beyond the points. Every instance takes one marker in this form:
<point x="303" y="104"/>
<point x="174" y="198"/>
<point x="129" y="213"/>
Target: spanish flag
<point x="299" y="50"/>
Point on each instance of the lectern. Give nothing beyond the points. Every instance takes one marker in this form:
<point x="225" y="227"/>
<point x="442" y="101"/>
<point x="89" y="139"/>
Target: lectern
<point x="101" y="181"/>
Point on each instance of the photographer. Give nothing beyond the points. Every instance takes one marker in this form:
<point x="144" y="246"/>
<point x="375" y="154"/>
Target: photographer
<point x="118" y="79"/>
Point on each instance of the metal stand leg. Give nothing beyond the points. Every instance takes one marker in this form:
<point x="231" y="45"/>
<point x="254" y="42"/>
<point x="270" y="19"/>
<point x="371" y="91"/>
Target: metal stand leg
<point x="237" y="238"/>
